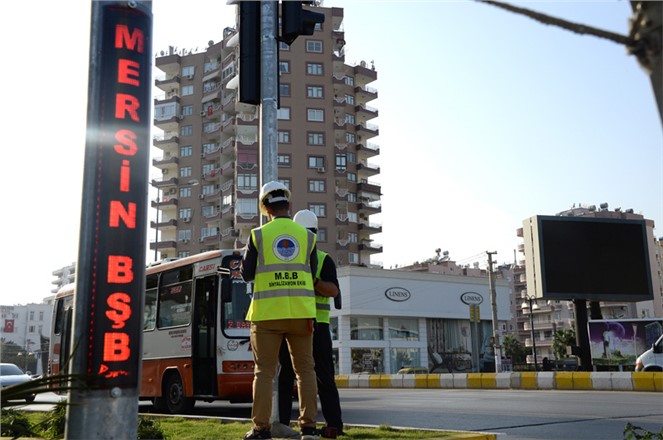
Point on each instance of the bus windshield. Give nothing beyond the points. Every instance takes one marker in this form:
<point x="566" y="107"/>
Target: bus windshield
<point x="234" y="312"/>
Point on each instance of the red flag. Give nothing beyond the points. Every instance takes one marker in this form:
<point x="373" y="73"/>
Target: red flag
<point x="9" y="326"/>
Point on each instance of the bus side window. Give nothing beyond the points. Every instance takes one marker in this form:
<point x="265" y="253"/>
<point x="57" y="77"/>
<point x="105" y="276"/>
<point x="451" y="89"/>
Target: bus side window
<point x="226" y="290"/>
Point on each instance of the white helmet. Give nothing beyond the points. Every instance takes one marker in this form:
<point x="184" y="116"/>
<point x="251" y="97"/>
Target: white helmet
<point x="269" y="188"/>
<point x="306" y="218"/>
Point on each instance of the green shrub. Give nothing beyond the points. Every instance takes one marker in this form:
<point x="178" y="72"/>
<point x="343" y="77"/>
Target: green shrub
<point x="149" y="429"/>
<point x="15" y="424"/>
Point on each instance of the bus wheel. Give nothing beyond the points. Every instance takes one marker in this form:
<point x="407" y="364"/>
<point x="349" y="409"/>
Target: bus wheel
<point x="174" y="396"/>
<point x="159" y="404"/>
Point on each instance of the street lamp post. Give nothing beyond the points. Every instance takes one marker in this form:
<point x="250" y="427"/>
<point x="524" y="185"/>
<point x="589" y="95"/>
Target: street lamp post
<point x="530" y="303"/>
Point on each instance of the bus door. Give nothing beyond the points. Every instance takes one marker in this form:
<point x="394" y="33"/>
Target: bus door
<point x="204" y="336"/>
<point x="60" y="344"/>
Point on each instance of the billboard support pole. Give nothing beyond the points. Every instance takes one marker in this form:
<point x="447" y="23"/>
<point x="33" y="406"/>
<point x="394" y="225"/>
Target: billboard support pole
<point x="582" y="334"/>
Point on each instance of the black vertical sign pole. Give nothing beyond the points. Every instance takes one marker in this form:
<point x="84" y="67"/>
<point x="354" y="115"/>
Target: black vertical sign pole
<point x="110" y="274"/>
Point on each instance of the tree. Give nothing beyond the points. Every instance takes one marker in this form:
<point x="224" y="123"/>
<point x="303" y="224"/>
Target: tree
<point x="514" y="349"/>
<point x="564" y="337"/>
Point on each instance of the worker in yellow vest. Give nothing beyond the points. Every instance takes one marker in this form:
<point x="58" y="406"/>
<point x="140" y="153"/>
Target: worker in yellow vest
<point x="281" y="258"/>
<point x="326" y="287"/>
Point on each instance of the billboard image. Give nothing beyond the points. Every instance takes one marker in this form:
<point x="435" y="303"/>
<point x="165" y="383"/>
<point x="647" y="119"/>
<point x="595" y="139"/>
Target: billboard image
<point x="620" y="341"/>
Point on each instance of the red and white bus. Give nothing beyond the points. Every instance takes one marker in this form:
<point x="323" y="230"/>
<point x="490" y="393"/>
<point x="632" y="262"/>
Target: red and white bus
<point x="195" y="339"/>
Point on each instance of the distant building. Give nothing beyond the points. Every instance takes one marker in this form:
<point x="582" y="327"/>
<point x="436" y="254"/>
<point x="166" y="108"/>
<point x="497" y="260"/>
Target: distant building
<point x="65" y="275"/>
<point x="27" y="326"/>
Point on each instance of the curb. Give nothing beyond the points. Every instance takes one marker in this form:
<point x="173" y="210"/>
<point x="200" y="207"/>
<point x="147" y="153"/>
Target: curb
<point x="651" y="381"/>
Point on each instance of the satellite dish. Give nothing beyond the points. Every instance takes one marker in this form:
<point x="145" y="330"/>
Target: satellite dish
<point x="210" y="43"/>
<point x="163" y="53"/>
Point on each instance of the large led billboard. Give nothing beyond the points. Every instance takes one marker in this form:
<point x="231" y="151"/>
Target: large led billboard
<point x="596" y="259"/>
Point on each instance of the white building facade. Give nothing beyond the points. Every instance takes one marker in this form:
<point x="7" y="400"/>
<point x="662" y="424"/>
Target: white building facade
<point x="393" y="319"/>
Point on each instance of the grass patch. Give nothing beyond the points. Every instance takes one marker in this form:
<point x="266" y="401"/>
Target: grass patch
<point x="181" y="428"/>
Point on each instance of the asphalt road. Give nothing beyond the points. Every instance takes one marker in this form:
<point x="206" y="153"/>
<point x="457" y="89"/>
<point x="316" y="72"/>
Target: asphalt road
<point x="513" y="414"/>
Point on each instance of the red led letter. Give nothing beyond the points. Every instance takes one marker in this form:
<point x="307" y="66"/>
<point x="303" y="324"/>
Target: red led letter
<point x="126" y="104"/>
<point x="127" y="72"/>
<point x="116" y="347"/>
<point x="118" y="211"/>
<point x="120" y="303"/>
<point x="120" y="269"/>
<point x="124" y="40"/>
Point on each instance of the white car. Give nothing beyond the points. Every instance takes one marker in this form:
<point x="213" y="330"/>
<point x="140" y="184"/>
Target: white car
<point x="652" y="359"/>
<point x="10" y="374"/>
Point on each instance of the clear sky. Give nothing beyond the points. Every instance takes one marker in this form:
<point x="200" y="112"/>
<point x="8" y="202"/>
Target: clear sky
<point x="486" y="118"/>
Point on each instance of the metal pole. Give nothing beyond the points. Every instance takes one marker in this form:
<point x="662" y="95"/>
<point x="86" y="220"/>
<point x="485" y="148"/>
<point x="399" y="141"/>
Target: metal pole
<point x="497" y="345"/>
<point x="531" y="329"/>
<point x="268" y="91"/>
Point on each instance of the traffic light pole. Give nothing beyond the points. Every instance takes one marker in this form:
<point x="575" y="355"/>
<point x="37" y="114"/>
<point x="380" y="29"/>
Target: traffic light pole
<point x="269" y="81"/>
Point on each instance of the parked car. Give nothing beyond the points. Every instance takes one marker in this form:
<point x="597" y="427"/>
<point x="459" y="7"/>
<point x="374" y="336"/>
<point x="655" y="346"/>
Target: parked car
<point x="652" y="359"/>
<point x="10" y="374"/>
<point x="413" y="370"/>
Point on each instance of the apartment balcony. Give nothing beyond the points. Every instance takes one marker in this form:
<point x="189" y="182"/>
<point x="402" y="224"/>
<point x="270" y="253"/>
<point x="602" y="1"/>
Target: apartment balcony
<point x="369" y="207"/>
<point x="169" y="83"/>
<point x="365" y="94"/>
<point x="369" y="190"/>
<point x="165" y="203"/>
<point x="166" y="140"/>
<point x="519" y="232"/>
<point x="365" y="112"/>
<point x="370" y="247"/>
<point x="228" y="168"/>
<point x="228" y="145"/>
<point x="211" y="129"/>
<point x="227" y="210"/>
<point x="212" y="153"/>
<point x="342" y="219"/>
<point x="166" y="245"/>
<point x="164" y="224"/>
<point x="171" y="64"/>
<point x="168" y="162"/>
<point x="164" y="182"/>
<point x="168" y="124"/>
<point x="212" y="72"/>
<point x="171" y="96"/>
<point x="212" y="175"/>
<point x="210" y="198"/>
<point x="229" y="233"/>
<point x="365" y="169"/>
<point x="246" y="220"/>
<point x="228" y="188"/>
<point x="210" y="239"/>
<point x="371" y="228"/>
<point x="211" y="92"/>
<point x="342" y="245"/>
<point x="366" y="150"/>
<point x="367" y="131"/>
<point x="228" y="102"/>
<point x="212" y="111"/>
<point x="228" y="126"/>
<point x="364" y="74"/>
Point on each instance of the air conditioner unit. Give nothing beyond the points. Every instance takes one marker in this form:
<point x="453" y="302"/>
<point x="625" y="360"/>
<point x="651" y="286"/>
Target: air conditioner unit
<point x="164" y="171"/>
<point x="202" y="113"/>
<point x="172" y="191"/>
<point x="184" y="240"/>
<point x="321" y="169"/>
<point x="201" y="239"/>
<point x="189" y="77"/>
<point x="202" y="196"/>
<point x="180" y="117"/>
<point x="186" y="219"/>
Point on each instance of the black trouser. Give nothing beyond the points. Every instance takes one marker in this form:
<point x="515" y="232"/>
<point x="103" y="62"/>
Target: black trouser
<point x="324" y="370"/>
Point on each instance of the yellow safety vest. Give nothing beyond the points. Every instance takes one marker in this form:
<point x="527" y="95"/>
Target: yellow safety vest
<point x="283" y="284"/>
<point x="322" y="303"/>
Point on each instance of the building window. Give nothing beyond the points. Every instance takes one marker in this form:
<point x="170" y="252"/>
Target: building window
<point x="227" y="72"/>
<point x="185" y="213"/>
<point x="349" y="81"/>
<point x="353" y="258"/>
<point x="315" y="138"/>
<point x="367" y="360"/>
<point x="247" y="182"/>
<point x="314" y="46"/>
<point x="247" y="207"/>
<point x="403" y="358"/>
<point x="352" y="157"/>
<point x="319" y="209"/>
<point x="403" y="329"/>
<point x="315" y="115"/>
<point x="350" y="138"/>
<point x="352" y="177"/>
<point x="283" y="113"/>
<point x="366" y="328"/>
<point x="314" y="92"/>
<point x="349" y="99"/>
<point x="185" y="171"/>
<point x="284" y="89"/>
<point x="350" y="119"/>
<point x="316" y="185"/>
<point x="352" y="217"/>
<point x="283" y="45"/>
<point x="187" y="110"/>
<point x="208" y="211"/>
<point x="314" y="69"/>
<point x="32" y="316"/>
<point x="208" y="168"/>
<point x="210" y="147"/>
<point x="316" y="162"/>
<point x="187" y="90"/>
<point x="285" y="182"/>
<point x="41" y="316"/>
<point x="184" y="234"/>
<point x="174" y="302"/>
<point x="341" y="162"/>
<point x="283" y="160"/>
<point x="208" y="189"/>
<point x="186" y="151"/>
<point x="185" y="192"/>
<point x="333" y="328"/>
<point x="284" y="136"/>
<point x="352" y="237"/>
<point x="183" y="254"/>
<point x="284" y="66"/>
<point x="352" y="197"/>
<point x="322" y="235"/>
<point x="188" y="70"/>
<point x="186" y="130"/>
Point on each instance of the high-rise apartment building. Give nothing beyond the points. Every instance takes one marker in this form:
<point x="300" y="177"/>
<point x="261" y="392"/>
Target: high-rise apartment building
<point x="210" y="164"/>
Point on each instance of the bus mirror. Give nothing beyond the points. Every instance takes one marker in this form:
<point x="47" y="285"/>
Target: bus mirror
<point x="226" y="290"/>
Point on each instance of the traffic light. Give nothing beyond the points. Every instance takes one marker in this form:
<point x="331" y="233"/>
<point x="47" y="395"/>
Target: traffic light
<point x="249" y="52"/>
<point x="296" y="20"/>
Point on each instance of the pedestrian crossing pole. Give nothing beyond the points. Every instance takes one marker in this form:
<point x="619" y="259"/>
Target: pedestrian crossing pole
<point x="497" y="347"/>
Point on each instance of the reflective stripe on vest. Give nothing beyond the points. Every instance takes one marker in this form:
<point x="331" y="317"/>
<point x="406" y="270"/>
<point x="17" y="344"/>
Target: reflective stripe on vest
<point x="322" y="303"/>
<point x="283" y="285"/>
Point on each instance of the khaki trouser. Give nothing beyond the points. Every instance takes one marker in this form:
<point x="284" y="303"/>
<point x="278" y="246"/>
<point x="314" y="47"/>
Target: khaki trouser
<point x="266" y="337"/>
